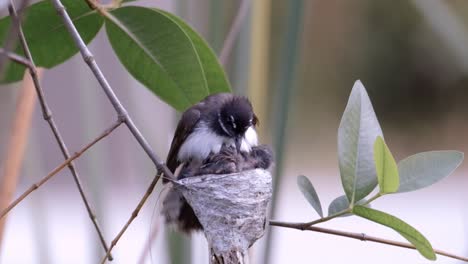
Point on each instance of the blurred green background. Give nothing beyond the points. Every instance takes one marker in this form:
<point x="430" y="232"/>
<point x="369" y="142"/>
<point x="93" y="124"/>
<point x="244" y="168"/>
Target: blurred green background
<point x="297" y="61"/>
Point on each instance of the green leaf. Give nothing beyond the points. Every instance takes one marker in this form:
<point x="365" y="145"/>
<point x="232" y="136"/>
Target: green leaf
<point x="341" y="203"/>
<point x="338" y="205"/>
<point x="407" y="231"/>
<point x="48" y="39"/>
<point x="426" y="168"/>
<point x="166" y="55"/>
<point x="358" y="130"/>
<point x="309" y="193"/>
<point x="387" y="170"/>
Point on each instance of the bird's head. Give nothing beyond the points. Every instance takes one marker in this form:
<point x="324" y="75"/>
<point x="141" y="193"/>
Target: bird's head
<point x="235" y="117"/>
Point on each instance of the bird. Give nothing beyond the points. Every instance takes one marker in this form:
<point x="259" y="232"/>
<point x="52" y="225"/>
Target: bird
<point x="219" y="120"/>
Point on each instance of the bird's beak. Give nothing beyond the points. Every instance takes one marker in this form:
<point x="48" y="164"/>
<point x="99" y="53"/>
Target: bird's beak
<point x="238" y="142"/>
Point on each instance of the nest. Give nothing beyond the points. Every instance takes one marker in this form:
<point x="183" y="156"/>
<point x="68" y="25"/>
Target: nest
<point x="230" y="207"/>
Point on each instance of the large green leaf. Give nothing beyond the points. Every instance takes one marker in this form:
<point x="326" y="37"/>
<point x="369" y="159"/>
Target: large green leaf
<point x="49" y="41"/>
<point x="309" y="193"/>
<point x="386" y="167"/>
<point x="426" y="168"/>
<point x="165" y="54"/>
<point x="358" y="130"/>
<point x="407" y="231"/>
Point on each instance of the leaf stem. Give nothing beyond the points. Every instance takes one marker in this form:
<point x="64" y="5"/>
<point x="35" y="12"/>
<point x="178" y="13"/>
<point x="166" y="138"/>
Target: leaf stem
<point x="373" y="198"/>
<point x="325" y="219"/>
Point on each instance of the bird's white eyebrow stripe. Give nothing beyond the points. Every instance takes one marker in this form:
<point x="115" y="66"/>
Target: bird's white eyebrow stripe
<point x="233" y="120"/>
<point x="222" y="125"/>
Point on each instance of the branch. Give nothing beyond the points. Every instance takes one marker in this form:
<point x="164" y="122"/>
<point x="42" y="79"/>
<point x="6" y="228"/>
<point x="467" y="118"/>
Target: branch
<point x="35" y="186"/>
<point x="132" y="216"/>
<point x="359" y="236"/>
<point x="16" y="58"/>
<point x="234" y="31"/>
<point x="121" y="111"/>
<point x="47" y="114"/>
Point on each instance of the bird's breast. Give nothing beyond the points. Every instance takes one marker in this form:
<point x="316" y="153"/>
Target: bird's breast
<point x="199" y="144"/>
<point x="202" y="141"/>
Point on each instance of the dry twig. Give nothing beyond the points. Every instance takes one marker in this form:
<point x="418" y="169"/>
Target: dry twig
<point x="47" y="115"/>
<point x="15" y="57"/>
<point x="59" y="168"/>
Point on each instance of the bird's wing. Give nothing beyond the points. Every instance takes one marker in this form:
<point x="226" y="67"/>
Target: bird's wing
<point x="185" y="127"/>
<point x="188" y="122"/>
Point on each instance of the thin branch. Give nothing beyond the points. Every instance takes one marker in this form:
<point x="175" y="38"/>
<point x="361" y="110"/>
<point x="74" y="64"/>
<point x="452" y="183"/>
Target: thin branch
<point x="133" y="216"/>
<point x="35" y="186"/>
<point x="119" y="108"/>
<point x="234" y="31"/>
<point x="121" y="111"/>
<point x="47" y="114"/>
<point x="16" y="58"/>
<point x="16" y="145"/>
<point x="359" y="236"/>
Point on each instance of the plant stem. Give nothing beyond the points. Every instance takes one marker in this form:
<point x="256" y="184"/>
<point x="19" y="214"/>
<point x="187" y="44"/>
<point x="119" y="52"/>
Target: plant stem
<point x="330" y="217"/>
<point x="361" y="236"/>
<point x="47" y="115"/>
<point x="58" y="168"/>
<point x="119" y="108"/>
<point x="373" y="198"/>
<point x="121" y="111"/>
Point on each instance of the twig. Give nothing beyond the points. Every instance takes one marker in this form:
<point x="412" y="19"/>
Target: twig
<point x="16" y="145"/>
<point x="234" y="31"/>
<point x="15" y="57"/>
<point x="121" y="111"/>
<point x="133" y="216"/>
<point x="10" y="40"/>
<point x="47" y="114"/>
<point x="58" y="168"/>
<point x="359" y="236"/>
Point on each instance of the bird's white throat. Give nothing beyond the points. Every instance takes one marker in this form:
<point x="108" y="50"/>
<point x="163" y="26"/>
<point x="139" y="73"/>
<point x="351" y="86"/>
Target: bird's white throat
<point x="202" y="141"/>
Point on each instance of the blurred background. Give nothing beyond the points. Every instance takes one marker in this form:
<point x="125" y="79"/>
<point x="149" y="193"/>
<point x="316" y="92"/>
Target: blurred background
<point x="297" y="61"/>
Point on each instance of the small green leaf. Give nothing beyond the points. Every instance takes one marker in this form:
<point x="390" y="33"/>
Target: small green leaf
<point x="309" y="193"/>
<point x="341" y="204"/>
<point x="407" y="231"/>
<point x="48" y="39"/>
<point x="426" y="168"/>
<point x="165" y="55"/>
<point x="387" y="170"/>
<point x="358" y="130"/>
<point x="338" y="205"/>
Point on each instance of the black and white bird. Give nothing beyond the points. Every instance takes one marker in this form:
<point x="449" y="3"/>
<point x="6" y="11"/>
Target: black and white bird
<point x="218" y="121"/>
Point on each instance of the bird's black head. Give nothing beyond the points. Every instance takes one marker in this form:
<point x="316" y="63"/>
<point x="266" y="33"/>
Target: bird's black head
<point x="235" y="117"/>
